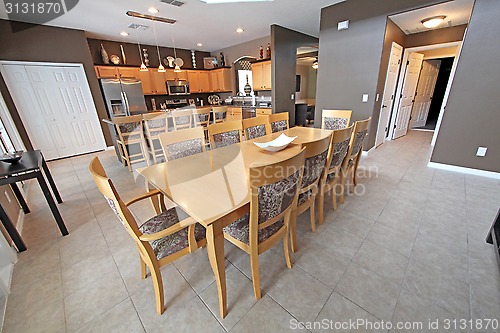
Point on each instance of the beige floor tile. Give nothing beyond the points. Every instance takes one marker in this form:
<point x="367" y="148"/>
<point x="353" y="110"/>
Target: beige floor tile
<point x="392" y="239"/>
<point x="339" y="241"/>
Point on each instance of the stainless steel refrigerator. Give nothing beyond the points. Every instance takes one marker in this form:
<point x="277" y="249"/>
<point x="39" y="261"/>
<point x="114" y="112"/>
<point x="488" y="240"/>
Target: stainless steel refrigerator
<point x="124" y="97"/>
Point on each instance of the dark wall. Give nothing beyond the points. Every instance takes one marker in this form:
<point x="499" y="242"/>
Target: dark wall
<point x="284" y="44"/>
<point x="440" y="89"/>
<point x="438" y="36"/>
<point x="472" y="112"/>
<point x="350" y="60"/>
<point x="133" y="57"/>
<point x="47" y="44"/>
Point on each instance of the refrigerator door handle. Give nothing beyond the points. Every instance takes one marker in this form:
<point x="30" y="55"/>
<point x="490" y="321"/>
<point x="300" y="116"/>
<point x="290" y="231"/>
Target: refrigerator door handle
<point x="127" y="106"/>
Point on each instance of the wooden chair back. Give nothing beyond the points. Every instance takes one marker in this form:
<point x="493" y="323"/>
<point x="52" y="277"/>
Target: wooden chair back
<point x="225" y="134"/>
<point x="255" y="127"/>
<point x="338" y="153"/>
<point x="278" y="122"/>
<point x="178" y="144"/>
<point x="335" y="119"/>
<point x="220" y="114"/>
<point x="155" y="123"/>
<point x="202" y="117"/>
<point x="315" y="162"/>
<point x="356" y="143"/>
<point x="182" y="119"/>
<point x="129" y="128"/>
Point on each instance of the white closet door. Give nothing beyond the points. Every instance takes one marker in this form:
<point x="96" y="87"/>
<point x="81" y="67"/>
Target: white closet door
<point x="55" y="117"/>
<point x="30" y="111"/>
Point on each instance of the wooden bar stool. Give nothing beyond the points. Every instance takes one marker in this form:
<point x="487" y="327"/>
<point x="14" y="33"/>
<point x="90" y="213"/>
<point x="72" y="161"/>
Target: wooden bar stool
<point x="130" y="133"/>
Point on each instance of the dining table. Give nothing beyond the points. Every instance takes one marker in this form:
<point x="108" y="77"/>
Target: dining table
<point x="213" y="187"/>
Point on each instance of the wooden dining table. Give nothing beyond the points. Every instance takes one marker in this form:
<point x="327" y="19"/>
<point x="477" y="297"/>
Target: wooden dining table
<point x="213" y="188"/>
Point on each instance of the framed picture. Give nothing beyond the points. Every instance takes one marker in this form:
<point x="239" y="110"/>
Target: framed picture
<point x="209" y="62"/>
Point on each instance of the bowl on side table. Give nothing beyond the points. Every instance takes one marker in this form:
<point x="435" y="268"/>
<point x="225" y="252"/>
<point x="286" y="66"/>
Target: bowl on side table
<point x="13" y="157"/>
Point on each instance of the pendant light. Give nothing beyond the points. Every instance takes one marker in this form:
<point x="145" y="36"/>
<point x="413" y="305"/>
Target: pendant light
<point x="178" y="62"/>
<point x="161" y="69"/>
<point x="143" y="67"/>
<point x="315" y="64"/>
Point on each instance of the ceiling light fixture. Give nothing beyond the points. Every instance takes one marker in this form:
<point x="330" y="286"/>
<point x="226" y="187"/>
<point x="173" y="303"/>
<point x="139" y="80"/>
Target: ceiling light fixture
<point x="153" y="10"/>
<point x="432" y="22"/>
<point x="143" y="67"/>
<point x="161" y="69"/>
<point x="199" y="44"/>
<point x="151" y="17"/>
<point x="229" y="1"/>
<point x="239" y="30"/>
<point x="178" y="61"/>
<point x="124" y="33"/>
<point x="315" y="64"/>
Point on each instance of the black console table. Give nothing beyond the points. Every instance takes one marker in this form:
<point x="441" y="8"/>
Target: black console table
<point x="494" y="237"/>
<point x="29" y="166"/>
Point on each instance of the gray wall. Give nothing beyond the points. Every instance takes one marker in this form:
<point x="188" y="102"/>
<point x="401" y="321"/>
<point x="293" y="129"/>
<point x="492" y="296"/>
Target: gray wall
<point x="444" y="35"/>
<point x="350" y="60"/>
<point x="48" y="44"/>
<point x="284" y="44"/>
<point x="472" y="113"/>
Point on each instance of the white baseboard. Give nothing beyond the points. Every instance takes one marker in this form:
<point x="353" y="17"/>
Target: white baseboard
<point x="109" y="148"/>
<point x="468" y="171"/>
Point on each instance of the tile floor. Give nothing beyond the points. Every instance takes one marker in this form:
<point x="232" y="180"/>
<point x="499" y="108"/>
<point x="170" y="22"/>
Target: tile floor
<point x="409" y="247"/>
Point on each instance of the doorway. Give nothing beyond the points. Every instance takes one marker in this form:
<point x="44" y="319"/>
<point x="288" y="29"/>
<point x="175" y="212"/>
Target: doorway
<point x="306" y="75"/>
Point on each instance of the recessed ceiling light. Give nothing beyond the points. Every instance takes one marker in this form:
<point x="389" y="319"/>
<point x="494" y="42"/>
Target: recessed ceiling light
<point x="239" y="30"/>
<point x="153" y="10"/>
<point x="432" y="22"/>
<point x="199" y="44"/>
<point x="123" y="33"/>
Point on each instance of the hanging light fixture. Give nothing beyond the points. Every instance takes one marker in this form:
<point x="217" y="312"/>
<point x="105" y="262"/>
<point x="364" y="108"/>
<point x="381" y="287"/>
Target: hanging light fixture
<point x="178" y="62"/>
<point x="161" y="69"/>
<point x="315" y="64"/>
<point x="143" y="67"/>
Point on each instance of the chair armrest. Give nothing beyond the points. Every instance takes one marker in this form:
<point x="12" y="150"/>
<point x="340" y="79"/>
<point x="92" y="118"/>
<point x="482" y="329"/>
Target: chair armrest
<point x="143" y="196"/>
<point x="169" y="231"/>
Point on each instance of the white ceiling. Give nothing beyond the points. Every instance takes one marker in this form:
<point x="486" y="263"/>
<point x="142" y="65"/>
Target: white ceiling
<point x="457" y="12"/>
<point x="197" y="22"/>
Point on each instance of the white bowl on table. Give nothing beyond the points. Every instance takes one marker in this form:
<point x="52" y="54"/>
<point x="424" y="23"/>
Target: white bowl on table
<point x="280" y="143"/>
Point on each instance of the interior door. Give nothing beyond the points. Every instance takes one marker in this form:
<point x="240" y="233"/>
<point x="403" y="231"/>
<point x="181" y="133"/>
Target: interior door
<point x="407" y="97"/>
<point x="388" y="96"/>
<point x="425" y="90"/>
<point x="29" y="109"/>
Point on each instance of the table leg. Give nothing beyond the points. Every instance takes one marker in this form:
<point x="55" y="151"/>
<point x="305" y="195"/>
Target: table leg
<point x="11" y="229"/>
<point x="20" y="198"/>
<point x="51" y="180"/>
<point x="52" y="204"/>
<point x="215" y="249"/>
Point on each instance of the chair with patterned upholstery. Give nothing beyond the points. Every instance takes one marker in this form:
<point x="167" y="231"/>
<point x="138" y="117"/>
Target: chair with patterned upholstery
<point x="155" y="123"/>
<point x="314" y="165"/>
<point x="274" y="192"/>
<point x="278" y="122"/>
<point x="331" y="175"/>
<point x="224" y="134"/>
<point x="182" y="119"/>
<point x="130" y="133"/>
<point x="335" y="119"/>
<point x="178" y="144"/>
<point x="161" y="239"/>
<point x="202" y="117"/>
<point x="255" y="127"/>
<point x="350" y="164"/>
<point x="220" y="114"/>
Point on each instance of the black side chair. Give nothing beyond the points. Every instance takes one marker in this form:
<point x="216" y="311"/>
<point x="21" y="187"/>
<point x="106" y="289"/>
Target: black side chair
<point x="300" y="114"/>
<point x="310" y="114"/>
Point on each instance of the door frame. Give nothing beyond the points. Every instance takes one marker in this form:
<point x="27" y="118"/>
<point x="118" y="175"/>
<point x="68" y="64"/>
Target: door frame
<point x="401" y="79"/>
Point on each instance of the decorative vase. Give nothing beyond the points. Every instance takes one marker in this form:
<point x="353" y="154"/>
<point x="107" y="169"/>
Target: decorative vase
<point x="104" y="55"/>
<point x="268" y="51"/>
<point x="123" y="55"/>
<point x="193" y="58"/>
<point x="146" y="57"/>
<point x="261" y="53"/>
<point x="222" y="60"/>
<point x="247" y="88"/>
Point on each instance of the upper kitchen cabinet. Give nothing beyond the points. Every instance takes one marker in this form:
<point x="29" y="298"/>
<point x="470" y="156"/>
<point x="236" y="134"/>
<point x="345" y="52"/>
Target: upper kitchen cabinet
<point x="153" y="82"/>
<point x="172" y="76"/>
<point x="106" y="72"/>
<point x="128" y="72"/>
<point x="221" y="80"/>
<point x="261" y="75"/>
<point x="199" y="81"/>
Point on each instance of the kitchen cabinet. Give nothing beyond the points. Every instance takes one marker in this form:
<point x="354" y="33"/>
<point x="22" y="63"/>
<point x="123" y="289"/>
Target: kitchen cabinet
<point x="261" y="75"/>
<point x="172" y="76"/>
<point x="199" y="81"/>
<point x="159" y="80"/>
<point x="148" y="85"/>
<point x="106" y="72"/>
<point x="263" y="111"/>
<point x="153" y="82"/>
<point x="221" y="80"/>
<point x="234" y="113"/>
<point x="128" y="72"/>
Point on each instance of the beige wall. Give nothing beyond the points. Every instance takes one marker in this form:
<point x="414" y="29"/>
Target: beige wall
<point x="303" y="71"/>
<point x="443" y="52"/>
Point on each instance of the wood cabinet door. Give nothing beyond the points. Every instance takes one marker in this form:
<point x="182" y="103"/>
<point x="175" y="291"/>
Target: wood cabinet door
<point x="170" y="75"/>
<point x="266" y="75"/>
<point x="194" y="85"/>
<point x="181" y="75"/>
<point x="214" y="79"/>
<point x="159" y="82"/>
<point x="128" y="72"/>
<point x="257" y="79"/>
<point x="204" y="81"/>
<point x="147" y="82"/>
<point x="106" y="72"/>
<point x="225" y="82"/>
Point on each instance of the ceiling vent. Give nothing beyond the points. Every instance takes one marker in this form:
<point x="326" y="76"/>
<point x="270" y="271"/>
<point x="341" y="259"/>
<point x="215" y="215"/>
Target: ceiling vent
<point x="173" y="2"/>
<point x="138" y="26"/>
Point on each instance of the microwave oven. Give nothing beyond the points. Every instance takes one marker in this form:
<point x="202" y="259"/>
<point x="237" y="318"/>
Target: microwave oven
<point x="178" y="87"/>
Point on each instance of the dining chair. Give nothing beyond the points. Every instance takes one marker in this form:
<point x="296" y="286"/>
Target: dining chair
<point x="278" y="122"/>
<point x="161" y="239"/>
<point x="182" y="119"/>
<point x="155" y="123"/>
<point x="224" y="134"/>
<point x="220" y="114"/>
<point x="316" y="154"/>
<point x="331" y="175"/>
<point x="178" y="144"/>
<point x="255" y="127"/>
<point x="274" y="192"/>
<point x="202" y="117"/>
<point x="335" y="119"/>
<point x="130" y="133"/>
<point x="350" y="164"/>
